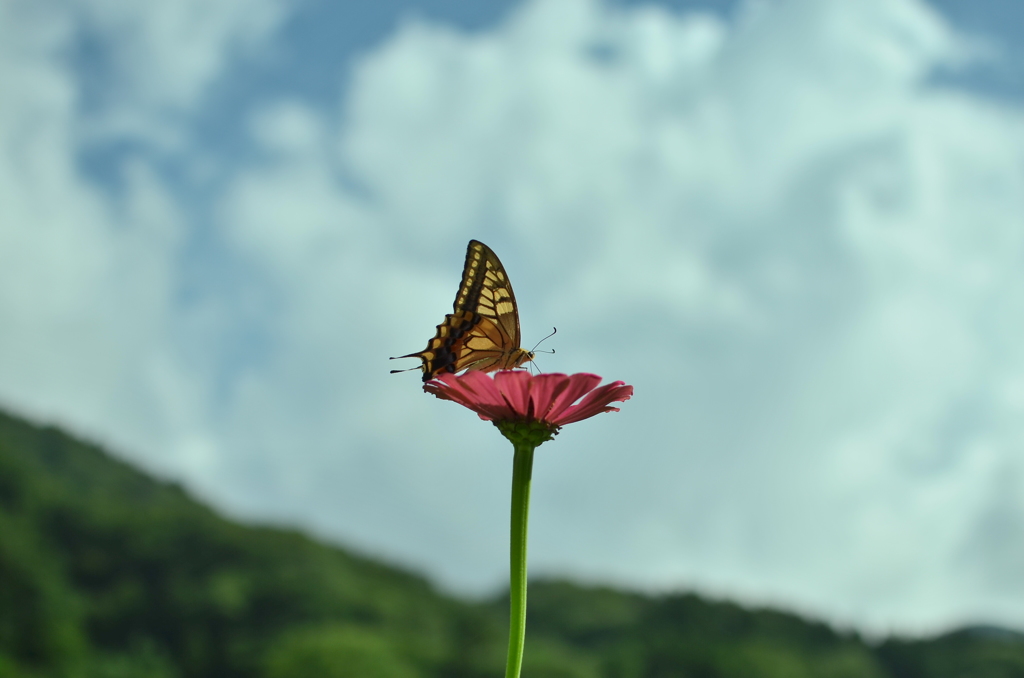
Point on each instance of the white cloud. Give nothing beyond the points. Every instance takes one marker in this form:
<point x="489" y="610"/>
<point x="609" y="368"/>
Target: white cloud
<point x="164" y="54"/>
<point x="89" y="275"/>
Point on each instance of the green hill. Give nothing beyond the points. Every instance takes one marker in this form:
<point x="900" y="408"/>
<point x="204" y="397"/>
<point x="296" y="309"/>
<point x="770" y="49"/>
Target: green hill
<point x="108" y="573"/>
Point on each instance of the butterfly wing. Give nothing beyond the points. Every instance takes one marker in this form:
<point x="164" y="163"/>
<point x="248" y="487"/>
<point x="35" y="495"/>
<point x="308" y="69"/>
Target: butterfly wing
<point x="483" y="331"/>
<point x="486" y="290"/>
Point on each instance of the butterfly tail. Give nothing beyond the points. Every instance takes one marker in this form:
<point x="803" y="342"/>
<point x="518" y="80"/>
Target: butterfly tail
<point x="411" y="355"/>
<point x="418" y="354"/>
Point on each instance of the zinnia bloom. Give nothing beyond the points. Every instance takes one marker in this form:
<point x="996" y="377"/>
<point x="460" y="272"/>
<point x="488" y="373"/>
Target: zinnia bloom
<point x="516" y="400"/>
<point x="528" y="410"/>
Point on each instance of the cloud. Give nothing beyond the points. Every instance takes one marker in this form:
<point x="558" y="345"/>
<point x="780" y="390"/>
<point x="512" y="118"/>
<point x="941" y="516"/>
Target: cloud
<point x="89" y="271"/>
<point x="164" y="55"/>
<point x="800" y="248"/>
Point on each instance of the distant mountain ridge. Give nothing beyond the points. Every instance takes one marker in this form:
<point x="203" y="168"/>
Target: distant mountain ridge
<point x="106" y="572"/>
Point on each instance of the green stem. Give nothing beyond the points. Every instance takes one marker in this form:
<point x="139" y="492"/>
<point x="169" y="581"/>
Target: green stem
<point x="522" y="472"/>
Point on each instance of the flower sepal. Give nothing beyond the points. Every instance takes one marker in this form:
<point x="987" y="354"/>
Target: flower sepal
<point x="526" y="433"/>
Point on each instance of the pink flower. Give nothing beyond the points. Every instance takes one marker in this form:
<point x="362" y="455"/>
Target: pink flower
<point x="518" y="396"/>
<point x="527" y="410"/>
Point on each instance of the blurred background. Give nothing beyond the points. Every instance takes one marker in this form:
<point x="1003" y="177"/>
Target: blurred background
<point x="796" y="227"/>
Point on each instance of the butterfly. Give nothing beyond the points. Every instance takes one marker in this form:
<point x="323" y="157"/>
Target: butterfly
<point x="483" y="331"/>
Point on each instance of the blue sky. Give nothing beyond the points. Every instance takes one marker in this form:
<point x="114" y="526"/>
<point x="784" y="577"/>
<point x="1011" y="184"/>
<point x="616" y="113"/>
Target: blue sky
<point x="796" y="227"/>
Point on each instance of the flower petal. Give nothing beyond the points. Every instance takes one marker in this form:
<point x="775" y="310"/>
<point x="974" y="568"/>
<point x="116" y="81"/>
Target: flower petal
<point x="544" y="388"/>
<point x="574" y="388"/>
<point x="486" y="395"/>
<point x="514" y="386"/>
<point x="595" y="402"/>
<point x="473" y="390"/>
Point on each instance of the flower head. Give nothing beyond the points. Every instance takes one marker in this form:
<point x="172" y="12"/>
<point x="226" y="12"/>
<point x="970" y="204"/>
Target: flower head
<point x="522" y="405"/>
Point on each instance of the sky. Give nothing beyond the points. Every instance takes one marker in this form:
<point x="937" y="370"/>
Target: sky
<point x="795" y="226"/>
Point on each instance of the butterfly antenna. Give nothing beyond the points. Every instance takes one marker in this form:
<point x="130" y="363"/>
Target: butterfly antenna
<point x="554" y="331"/>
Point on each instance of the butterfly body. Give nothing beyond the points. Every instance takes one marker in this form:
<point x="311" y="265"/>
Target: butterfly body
<point x="482" y="333"/>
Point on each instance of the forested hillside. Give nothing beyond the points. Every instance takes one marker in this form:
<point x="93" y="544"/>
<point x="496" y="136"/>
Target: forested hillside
<point x="106" y="572"/>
